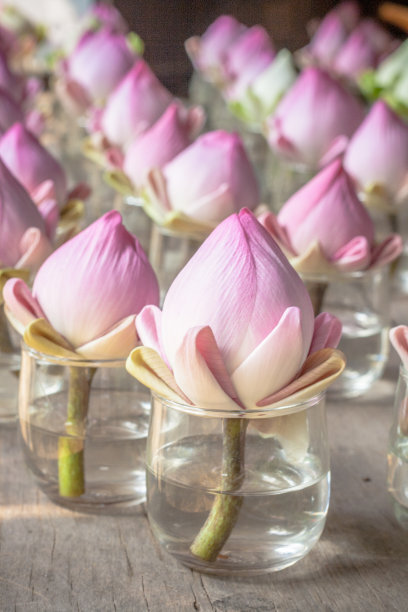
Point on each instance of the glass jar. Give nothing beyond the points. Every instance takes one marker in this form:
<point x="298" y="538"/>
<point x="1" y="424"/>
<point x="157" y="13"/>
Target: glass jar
<point x="397" y="478"/>
<point x="362" y="303"/>
<point x="84" y="429"/>
<point x="9" y="370"/>
<point x="243" y="492"/>
<point x="169" y="252"/>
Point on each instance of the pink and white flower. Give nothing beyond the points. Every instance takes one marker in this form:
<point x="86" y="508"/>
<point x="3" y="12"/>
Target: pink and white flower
<point x="89" y="290"/>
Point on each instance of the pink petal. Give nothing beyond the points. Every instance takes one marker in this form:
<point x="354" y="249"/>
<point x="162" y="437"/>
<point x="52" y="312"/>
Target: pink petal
<point x="81" y="191"/>
<point x="115" y="344"/>
<point x="274" y="362"/>
<point x="271" y="224"/>
<point x="355" y="255"/>
<point x="387" y="251"/>
<point x="195" y="378"/>
<point x="43" y="191"/>
<point x="50" y="213"/>
<point x="399" y="340"/>
<point x="35" y="248"/>
<point x="148" y="326"/>
<point x="327" y="332"/>
<point x="20" y="301"/>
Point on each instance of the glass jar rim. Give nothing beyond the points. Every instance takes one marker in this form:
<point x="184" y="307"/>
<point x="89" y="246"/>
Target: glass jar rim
<point x="262" y="412"/>
<point x="342" y="276"/>
<point x="81" y="362"/>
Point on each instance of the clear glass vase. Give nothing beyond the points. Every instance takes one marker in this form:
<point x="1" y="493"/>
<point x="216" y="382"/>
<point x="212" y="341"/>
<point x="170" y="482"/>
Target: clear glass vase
<point x="397" y="477"/>
<point x="9" y="370"/>
<point x="238" y="493"/>
<point x="362" y="303"/>
<point x="84" y="428"/>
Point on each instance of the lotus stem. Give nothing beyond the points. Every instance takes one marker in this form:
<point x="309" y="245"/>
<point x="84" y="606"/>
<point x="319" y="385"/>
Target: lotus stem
<point x="5" y="340"/>
<point x="226" y="507"/>
<point x="71" y="476"/>
<point x="317" y="291"/>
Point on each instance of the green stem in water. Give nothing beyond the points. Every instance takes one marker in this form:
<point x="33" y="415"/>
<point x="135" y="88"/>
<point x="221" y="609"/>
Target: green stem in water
<point x="317" y="292"/>
<point x="71" y="448"/>
<point x="226" y="507"/>
<point x="5" y="340"/>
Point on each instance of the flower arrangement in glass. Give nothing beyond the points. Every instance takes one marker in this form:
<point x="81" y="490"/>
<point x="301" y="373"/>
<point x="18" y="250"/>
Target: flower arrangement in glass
<point x="44" y="178"/>
<point x="237" y="453"/>
<point x="309" y="128"/>
<point x="25" y="241"/>
<point x="397" y="476"/>
<point x="328" y="236"/>
<point x="83" y="423"/>
<point x="377" y="160"/>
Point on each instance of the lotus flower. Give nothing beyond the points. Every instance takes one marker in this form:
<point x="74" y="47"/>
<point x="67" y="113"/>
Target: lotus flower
<point x="208" y="52"/>
<point x="324" y="228"/>
<point x="247" y="57"/>
<point x="377" y="157"/>
<point x="97" y="64"/>
<point x="237" y="324"/>
<point x="138" y="101"/>
<point x="89" y="292"/>
<point x="313" y="122"/>
<point x="327" y="40"/>
<point x="208" y="181"/>
<point x="24" y="233"/>
<point x="171" y="133"/>
<point x="32" y="164"/>
<point x="260" y="99"/>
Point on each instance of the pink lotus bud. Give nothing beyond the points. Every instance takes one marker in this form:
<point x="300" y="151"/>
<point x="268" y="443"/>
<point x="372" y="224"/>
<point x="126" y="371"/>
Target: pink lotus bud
<point x="23" y="236"/>
<point x="10" y="112"/>
<point x="138" y="101"/>
<point x="357" y="55"/>
<point x="90" y="289"/>
<point x="237" y="322"/>
<point x="106" y="16"/>
<point x="31" y="163"/>
<point x="208" y="52"/>
<point x="327" y="40"/>
<point x="314" y="120"/>
<point x="377" y="155"/>
<point x="158" y="145"/>
<point x="212" y="178"/>
<point x="349" y="12"/>
<point x="327" y="217"/>
<point x="246" y="58"/>
<point x="97" y="64"/>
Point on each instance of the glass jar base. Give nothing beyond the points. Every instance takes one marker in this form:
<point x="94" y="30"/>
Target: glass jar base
<point x="98" y="501"/>
<point x="242" y="560"/>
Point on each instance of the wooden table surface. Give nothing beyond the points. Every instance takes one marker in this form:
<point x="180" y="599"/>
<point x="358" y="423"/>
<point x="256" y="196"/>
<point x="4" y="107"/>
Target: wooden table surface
<point x="54" y="560"/>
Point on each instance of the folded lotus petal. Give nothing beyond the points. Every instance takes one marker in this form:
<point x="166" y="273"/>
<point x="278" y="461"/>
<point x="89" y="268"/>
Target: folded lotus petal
<point x="8" y="273"/>
<point x="148" y="327"/>
<point x="273" y="363"/>
<point x="312" y="261"/>
<point x="291" y="431"/>
<point x="355" y="255"/>
<point x="387" y="251"/>
<point x="50" y="213"/>
<point x="21" y="303"/>
<point x="241" y="270"/>
<point x="211" y="208"/>
<point x="35" y="248"/>
<point x="114" y="157"/>
<point x="81" y="191"/>
<point x="399" y="340"/>
<point x="274" y="228"/>
<point x="148" y="367"/>
<point x="195" y="377"/>
<point x="115" y="344"/>
<point x="318" y="372"/>
<point x="327" y="332"/>
<point x="40" y="336"/>
<point x="43" y="191"/>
